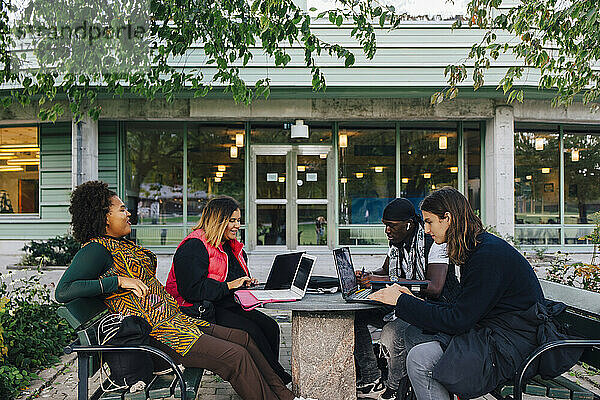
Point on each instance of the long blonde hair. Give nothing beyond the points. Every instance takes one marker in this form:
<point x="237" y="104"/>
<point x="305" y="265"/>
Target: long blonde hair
<point x="461" y="235"/>
<point x="215" y="217"/>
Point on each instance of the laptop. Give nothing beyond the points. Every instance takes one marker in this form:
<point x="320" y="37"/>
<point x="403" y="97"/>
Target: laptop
<point x="298" y="287"/>
<point x="349" y="284"/>
<point x="282" y="272"/>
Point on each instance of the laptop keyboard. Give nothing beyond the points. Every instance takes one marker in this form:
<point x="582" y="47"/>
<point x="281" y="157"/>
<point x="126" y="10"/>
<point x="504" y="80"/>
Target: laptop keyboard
<point x="273" y="294"/>
<point x="361" y="295"/>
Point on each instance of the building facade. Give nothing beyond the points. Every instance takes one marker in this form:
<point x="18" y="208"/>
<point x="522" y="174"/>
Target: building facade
<point x="530" y="170"/>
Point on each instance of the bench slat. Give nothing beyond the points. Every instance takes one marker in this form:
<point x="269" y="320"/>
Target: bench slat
<point x="162" y="386"/>
<point x="579" y="393"/>
<point x="535" y="389"/>
<point x="79" y="311"/>
<point x="555" y="390"/>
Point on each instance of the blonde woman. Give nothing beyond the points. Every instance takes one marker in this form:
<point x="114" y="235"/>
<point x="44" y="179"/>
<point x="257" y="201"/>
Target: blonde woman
<point x="209" y="265"/>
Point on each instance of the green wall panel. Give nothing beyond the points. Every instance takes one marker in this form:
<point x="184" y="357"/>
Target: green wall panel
<point x="55" y="173"/>
<point x="107" y="153"/>
<point x="32" y="230"/>
<point x="56" y="212"/>
<point x="56" y="195"/>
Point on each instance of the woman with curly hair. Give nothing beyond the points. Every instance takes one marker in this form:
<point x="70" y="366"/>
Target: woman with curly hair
<point x="209" y="265"/>
<point x="124" y="275"/>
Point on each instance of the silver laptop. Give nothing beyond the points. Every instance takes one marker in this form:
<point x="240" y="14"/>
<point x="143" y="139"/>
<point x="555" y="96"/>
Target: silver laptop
<point x="299" y="284"/>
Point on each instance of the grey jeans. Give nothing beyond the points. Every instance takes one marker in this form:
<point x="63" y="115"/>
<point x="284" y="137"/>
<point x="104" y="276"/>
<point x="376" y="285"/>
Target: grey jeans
<point x="366" y="361"/>
<point x="394" y="350"/>
<point x="420" y="361"/>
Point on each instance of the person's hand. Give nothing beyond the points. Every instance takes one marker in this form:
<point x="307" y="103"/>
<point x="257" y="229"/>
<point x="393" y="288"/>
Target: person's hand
<point x="239" y="282"/>
<point x="363" y="278"/>
<point x="253" y="282"/>
<point x="388" y="295"/>
<point x="138" y="287"/>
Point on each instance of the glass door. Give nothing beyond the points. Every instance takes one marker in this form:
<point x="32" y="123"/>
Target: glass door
<point x="290" y="196"/>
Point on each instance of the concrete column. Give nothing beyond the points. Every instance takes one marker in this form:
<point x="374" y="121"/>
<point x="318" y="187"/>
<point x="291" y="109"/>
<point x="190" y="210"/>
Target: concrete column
<point x="84" y="151"/>
<point x="500" y="171"/>
<point x="323" y="355"/>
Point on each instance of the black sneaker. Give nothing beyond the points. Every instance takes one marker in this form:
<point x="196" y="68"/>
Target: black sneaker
<point x="389" y="394"/>
<point x="370" y="390"/>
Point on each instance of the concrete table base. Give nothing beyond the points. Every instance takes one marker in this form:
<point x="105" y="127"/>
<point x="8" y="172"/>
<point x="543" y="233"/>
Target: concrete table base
<point x="323" y="355"/>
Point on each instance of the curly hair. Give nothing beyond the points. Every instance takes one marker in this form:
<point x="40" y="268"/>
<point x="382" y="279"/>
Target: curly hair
<point x="90" y="203"/>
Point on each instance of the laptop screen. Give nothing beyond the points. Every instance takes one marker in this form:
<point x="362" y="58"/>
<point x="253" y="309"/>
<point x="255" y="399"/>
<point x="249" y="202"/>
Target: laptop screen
<point x="303" y="274"/>
<point x="283" y="270"/>
<point x="343" y="263"/>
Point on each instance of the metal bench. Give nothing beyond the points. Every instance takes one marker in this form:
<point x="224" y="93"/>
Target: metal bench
<point x="83" y="315"/>
<point x="582" y="319"/>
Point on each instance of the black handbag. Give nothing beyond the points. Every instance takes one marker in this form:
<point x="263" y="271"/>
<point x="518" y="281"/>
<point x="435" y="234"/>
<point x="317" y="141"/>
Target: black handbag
<point x="127" y="368"/>
<point x="204" y="310"/>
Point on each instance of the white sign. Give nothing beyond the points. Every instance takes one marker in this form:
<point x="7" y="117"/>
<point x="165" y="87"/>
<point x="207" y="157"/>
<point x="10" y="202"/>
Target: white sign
<point x="311" y="177"/>
<point x="272" y="177"/>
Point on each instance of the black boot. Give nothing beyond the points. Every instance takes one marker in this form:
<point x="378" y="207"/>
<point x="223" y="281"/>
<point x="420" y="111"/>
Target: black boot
<point x="403" y="389"/>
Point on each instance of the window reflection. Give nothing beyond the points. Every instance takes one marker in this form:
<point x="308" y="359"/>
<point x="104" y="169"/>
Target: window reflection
<point x="213" y="168"/>
<point x="582" y="176"/>
<point x="154" y="173"/>
<point x="19" y="170"/>
<point x="536" y="177"/>
<point x="472" y="143"/>
<point x="428" y="161"/>
<point x="366" y="173"/>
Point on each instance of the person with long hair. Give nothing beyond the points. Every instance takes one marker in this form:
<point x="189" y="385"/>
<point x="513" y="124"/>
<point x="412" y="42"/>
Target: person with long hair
<point x="472" y="345"/>
<point x="124" y="275"/>
<point x="209" y="265"/>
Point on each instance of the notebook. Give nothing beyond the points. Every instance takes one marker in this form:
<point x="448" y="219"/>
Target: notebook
<point x="283" y="270"/>
<point x="298" y="287"/>
<point x="349" y="284"/>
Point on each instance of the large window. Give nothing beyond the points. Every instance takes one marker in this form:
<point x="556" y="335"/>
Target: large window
<point x="154" y="180"/>
<point x="215" y="165"/>
<point x="19" y="170"/>
<point x="367" y="180"/>
<point x="554" y="206"/>
<point x="428" y="160"/>
<point x="472" y="173"/>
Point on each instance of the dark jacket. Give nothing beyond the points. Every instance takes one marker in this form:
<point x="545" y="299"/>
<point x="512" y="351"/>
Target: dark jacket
<point x="499" y="317"/>
<point x="476" y="362"/>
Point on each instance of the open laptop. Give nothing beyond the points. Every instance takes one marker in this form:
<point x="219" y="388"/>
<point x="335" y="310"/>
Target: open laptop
<point x="349" y="284"/>
<point x="283" y="269"/>
<point x="299" y="283"/>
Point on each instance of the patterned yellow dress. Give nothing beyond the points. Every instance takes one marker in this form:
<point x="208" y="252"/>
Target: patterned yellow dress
<point x="159" y="308"/>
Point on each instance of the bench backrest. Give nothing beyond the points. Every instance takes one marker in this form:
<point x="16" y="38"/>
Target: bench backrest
<point x="83" y="314"/>
<point x="582" y="317"/>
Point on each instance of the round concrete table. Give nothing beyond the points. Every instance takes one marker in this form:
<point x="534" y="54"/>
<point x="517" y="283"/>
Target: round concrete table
<point x="323" y="345"/>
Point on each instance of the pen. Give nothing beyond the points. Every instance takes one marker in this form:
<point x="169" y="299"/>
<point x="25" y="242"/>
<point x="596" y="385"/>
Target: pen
<point x="360" y="290"/>
<point x="362" y="273"/>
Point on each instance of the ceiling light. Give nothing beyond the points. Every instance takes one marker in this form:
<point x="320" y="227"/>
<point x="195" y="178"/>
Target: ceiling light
<point x="221" y="168"/>
<point x="219" y="174"/>
<point x="217" y="180"/>
<point x="545" y="170"/>
<point x="528" y="177"/>
<point x="343" y="180"/>
<point x="359" y="175"/>
<point x="12" y="146"/>
<point x="405" y="180"/>
<point x="454" y="170"/>
<point x="10" y="168"/>
<point x="427" y="175"/>
<point x="239" y="139"/>
<point x="7" y="157"/>
<point x="301" y="168"/>
<point x="539" y="143"/>
<point x="409" y="152"/>
<point x="281" y="179"/>
<point x="575" y="155"/>
<point x="433" y="187"/>
<point x="23" y="161"/>
<point x="378" y="169"/>
<point x="233" y="152"/>
<point x="19" y="149"/>
<point x="299" y="130"/>
<point x="343" y="140"/>
<point x="443" y="142"/>
<point x="323" y="156"/>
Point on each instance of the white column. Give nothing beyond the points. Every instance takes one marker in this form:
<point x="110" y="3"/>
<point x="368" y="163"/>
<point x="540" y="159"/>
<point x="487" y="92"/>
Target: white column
<point x="84" y="151"/>
<point x="500" y="171"/>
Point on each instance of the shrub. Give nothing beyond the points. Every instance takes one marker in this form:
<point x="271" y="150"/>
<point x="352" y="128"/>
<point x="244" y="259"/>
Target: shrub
<point x="59" y="250"/>
<point x="32" y="336"/>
